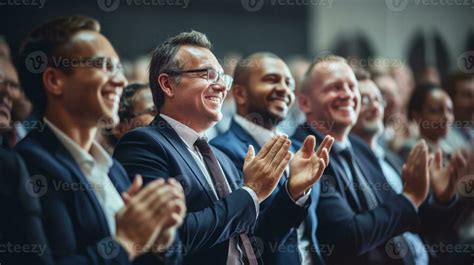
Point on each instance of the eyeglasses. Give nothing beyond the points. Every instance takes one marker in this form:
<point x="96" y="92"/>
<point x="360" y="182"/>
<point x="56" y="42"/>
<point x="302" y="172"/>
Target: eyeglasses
<point x="212" y="76"/>
<point x="367" y="100"/>
<point x="110" y="66"/>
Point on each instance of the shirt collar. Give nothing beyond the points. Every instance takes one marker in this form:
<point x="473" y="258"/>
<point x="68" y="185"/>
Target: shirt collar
<point x="260" y="134"/>
<point x="379" y="152"/>
<point x="188" y="135"/>
<point x="339" y="146"/>
<point x="80" y="155"/>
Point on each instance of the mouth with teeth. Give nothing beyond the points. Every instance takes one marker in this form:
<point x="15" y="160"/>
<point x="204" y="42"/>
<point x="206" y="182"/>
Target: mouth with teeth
<point x="215" y="100"/>
<point x="282" y="103"/>
<point x="112" y="99"/>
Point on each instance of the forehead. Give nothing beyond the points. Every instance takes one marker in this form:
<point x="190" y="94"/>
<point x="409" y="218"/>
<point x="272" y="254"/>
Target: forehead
<point x="92" y="44"/>
<point x="386" y="82"/>
<point x="368" y="87"/>
<point x="333" y="71"/>
<point x="269" y="65"/>
<point x="197" y="57"/>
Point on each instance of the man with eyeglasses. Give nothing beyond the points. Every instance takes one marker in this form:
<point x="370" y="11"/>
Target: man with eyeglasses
<point x="92" y="214"/>
<point x="188" y="88"/>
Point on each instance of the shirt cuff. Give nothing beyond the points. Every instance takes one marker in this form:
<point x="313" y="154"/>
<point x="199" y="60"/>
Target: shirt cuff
<point x="301" y="201"/>
<point x="255" y="199"/>
<point x="412" y="203"/>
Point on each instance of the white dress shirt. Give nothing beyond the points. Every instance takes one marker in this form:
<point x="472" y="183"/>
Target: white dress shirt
<point x="95" y="164"/>
<point x="261" y="136"/>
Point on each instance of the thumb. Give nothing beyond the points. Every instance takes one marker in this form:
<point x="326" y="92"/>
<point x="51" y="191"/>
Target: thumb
<point x="250" y="154"/>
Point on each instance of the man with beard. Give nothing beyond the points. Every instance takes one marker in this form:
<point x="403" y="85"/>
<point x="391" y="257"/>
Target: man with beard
<point x="263" y="90"/>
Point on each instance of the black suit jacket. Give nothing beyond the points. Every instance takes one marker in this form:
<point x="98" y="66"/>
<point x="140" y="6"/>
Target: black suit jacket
<point x="357" y="234"/>
<point x="21" y="223"/>
<point x="157" y="151"/>
<point x="74" y="222"/>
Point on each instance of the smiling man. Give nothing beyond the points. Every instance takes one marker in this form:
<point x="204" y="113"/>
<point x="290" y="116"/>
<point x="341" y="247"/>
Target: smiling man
<point x="354" y="214"/>
<point x="86" y="220"/>
<point x="223" y="201"/>
<point x="263" y="90"/>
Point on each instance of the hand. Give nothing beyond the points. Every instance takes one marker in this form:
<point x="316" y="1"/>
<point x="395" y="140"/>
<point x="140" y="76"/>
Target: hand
<point x="444" y="178"/>
<point x="415" y="174"/>
<point x="146" y="214"/>
<point x="262" y="172"/>
<point x="308" y="166"/>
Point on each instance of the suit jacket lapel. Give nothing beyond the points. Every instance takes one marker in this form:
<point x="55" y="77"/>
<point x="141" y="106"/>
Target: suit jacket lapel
<point x="173" y="138"/>
<point x="305" y="130"/>
<point x="66" y="159"/>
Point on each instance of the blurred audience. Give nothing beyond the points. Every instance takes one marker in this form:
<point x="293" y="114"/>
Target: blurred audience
<point x="431" y="108"/>
<point x="140" y="70"/>
<point x="136" y="110"/>
<point x="460" y="88"/>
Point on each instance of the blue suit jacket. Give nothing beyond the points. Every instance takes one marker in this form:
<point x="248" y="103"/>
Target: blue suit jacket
<point x="157" y="151"/>
<point x="344" y="222"/>
<point x="74" y="222"/>
<point x="280" y="216"/>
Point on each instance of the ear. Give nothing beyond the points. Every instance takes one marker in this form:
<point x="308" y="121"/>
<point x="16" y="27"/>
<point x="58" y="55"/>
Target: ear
<point x="304" y="103"/>
<point x="240" y="94"/>
<point x="165" y="83"/>
<point x="53" y="80"/>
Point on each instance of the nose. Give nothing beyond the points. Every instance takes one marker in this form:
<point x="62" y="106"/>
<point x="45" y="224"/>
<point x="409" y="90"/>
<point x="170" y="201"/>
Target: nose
<point x="119" y="80"/>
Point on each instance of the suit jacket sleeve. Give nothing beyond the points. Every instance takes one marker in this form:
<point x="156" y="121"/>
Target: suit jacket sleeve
<point x="57" y="219"/>
<point x="279" y="214"/>
<point x="355" y="233"/>
<point x="139" y="153"/>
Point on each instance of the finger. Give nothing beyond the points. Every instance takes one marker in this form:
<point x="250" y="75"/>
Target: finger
<point x="148" y="190"/>
<point x="438" y="159"/>
<point x="173" y="182"/>
<point x="282" y="165"/>
<point x="136" y="185"/>
<point x="281" y="154"/>
<point x="282" y="140"/>
<point x="126" y="198"/>
<point x="325" y="157"/>
<point x="267" y="146"/>
<point x="307" y="149"/>
<point x="323" y="145"/>
<point x="250" y="154"/>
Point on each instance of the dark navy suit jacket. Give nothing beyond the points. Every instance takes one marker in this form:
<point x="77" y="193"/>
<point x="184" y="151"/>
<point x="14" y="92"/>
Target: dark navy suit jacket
<point x="74" y="222"/>
<point x="157" y="151"/>
<point x="21" y="223"/>
<point x="344" y="221"/>
<point x="279" y="230"/>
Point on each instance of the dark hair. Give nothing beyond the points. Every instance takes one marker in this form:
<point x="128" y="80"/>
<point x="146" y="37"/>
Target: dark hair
<point x="50" y="39"/>
<point x="453" y="81"/>
<point x="246" y="65"/>
<point x="307" y="78"/>
<point x="127" y="100"/>
<point x="419" y="96"/>
<point x="163" y="59"/>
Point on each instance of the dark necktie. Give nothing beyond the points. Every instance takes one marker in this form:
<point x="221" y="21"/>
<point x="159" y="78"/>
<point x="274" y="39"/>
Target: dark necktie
<point x="397" y="247"/>
<point x="222" y="189"/>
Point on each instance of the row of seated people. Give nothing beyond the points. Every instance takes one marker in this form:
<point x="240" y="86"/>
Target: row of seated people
<point x="250" y="196"/>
